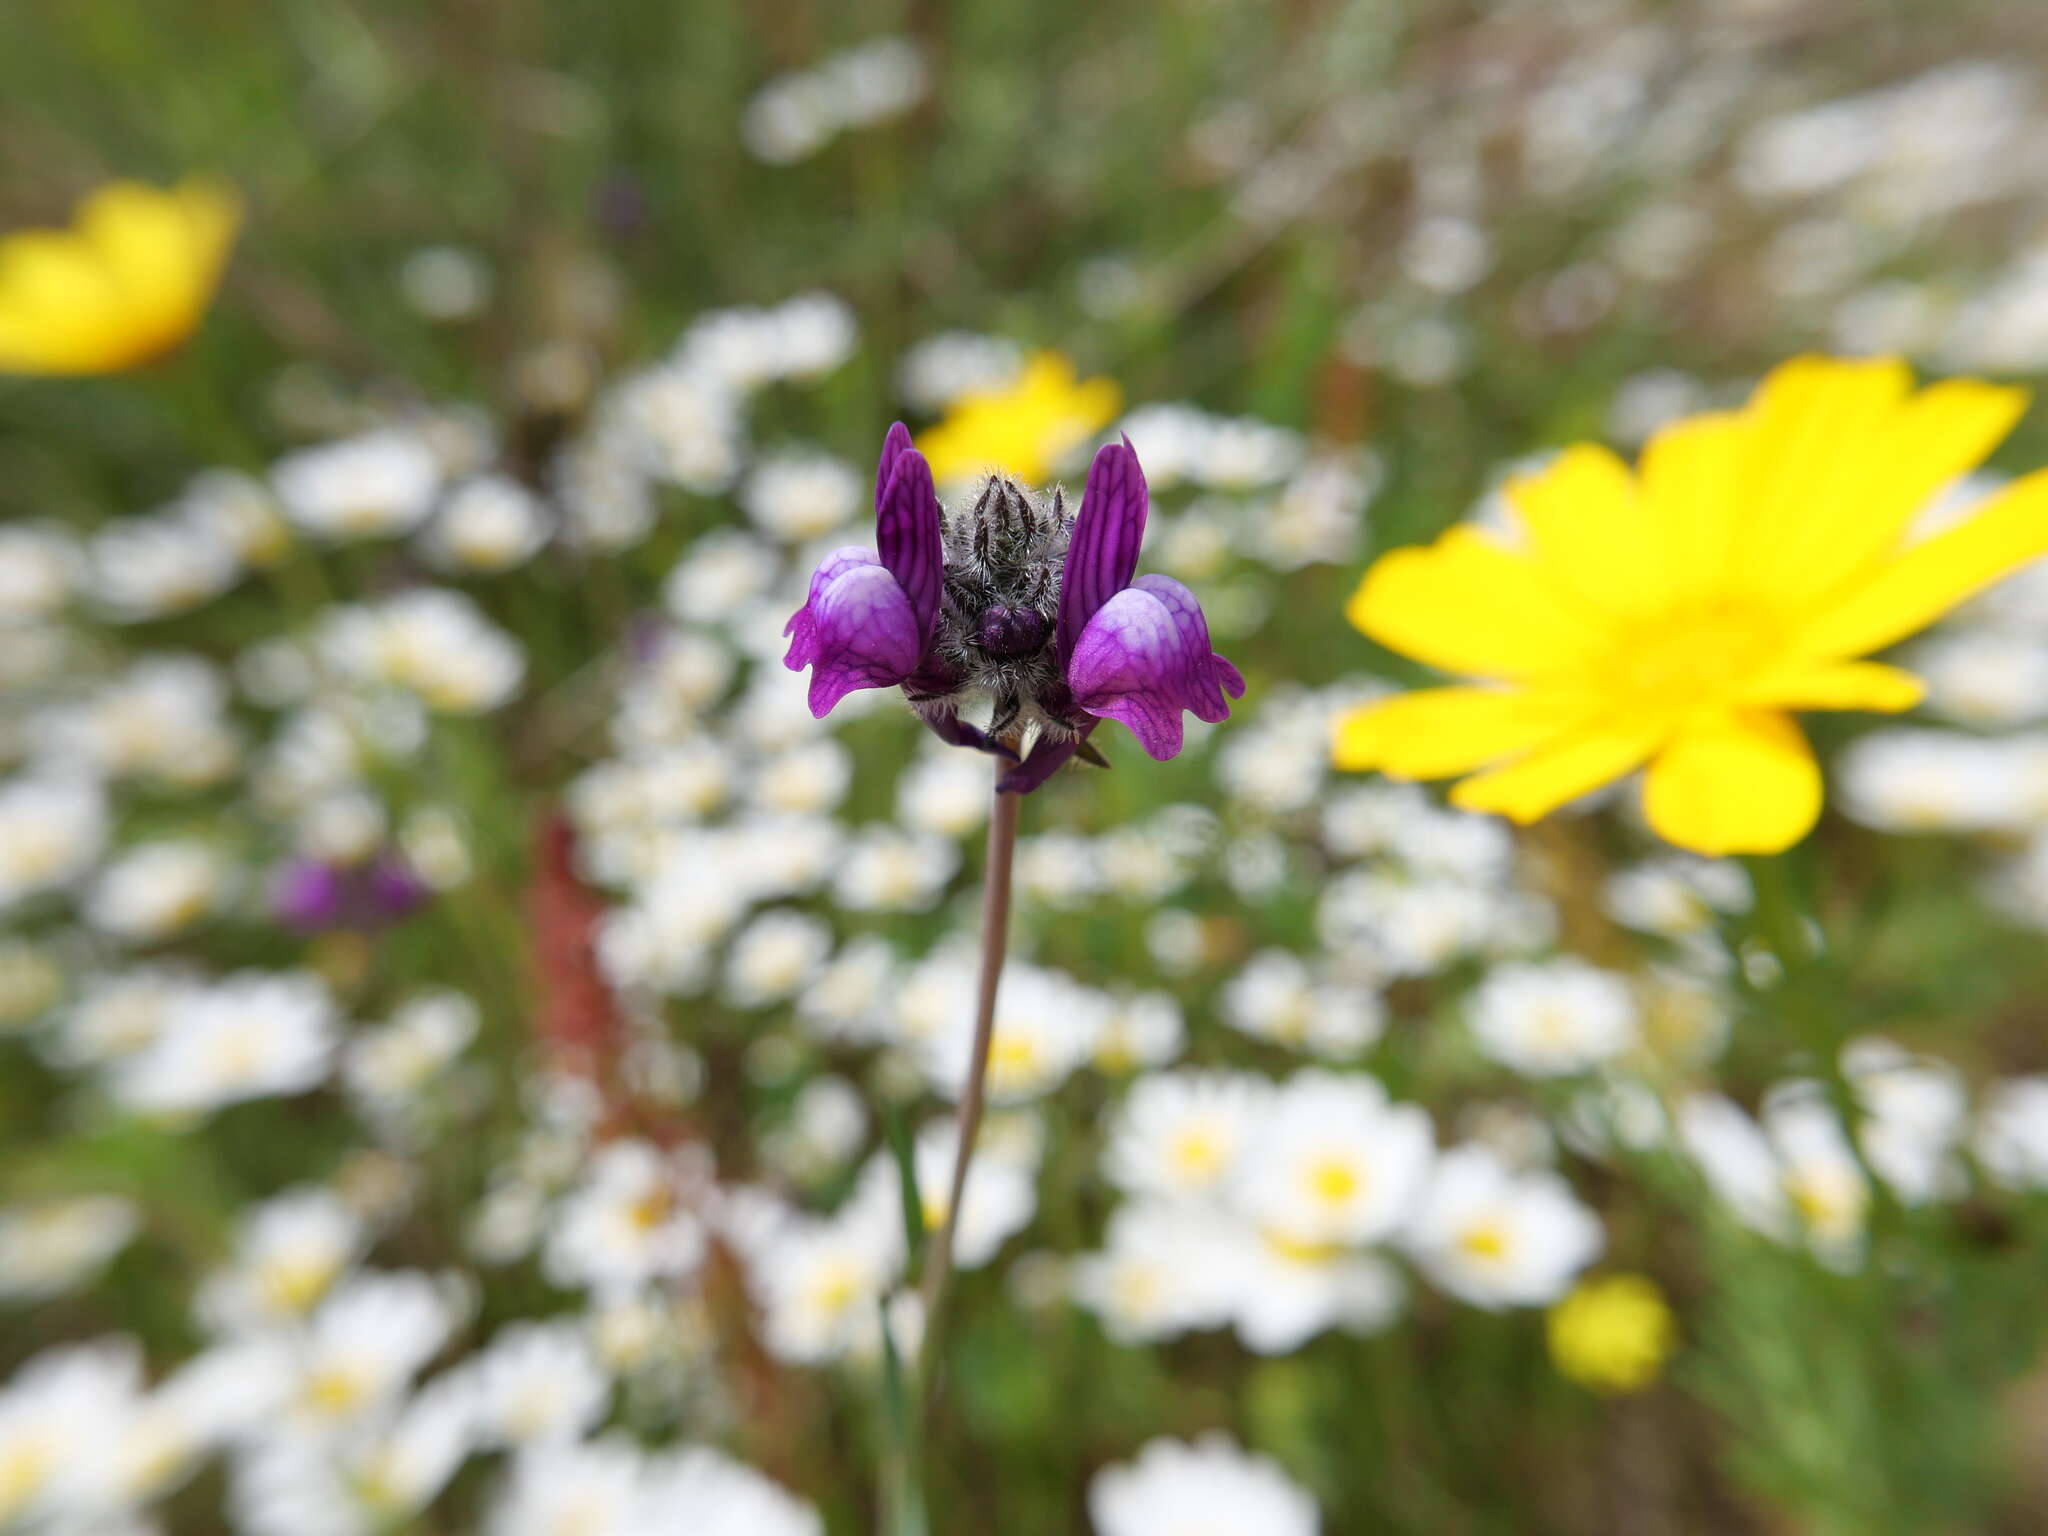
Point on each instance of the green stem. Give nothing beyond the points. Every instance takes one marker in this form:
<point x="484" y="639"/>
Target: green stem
<point x="995" y="939"/>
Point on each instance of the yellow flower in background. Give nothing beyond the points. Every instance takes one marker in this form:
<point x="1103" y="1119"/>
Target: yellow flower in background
<point x="127" y="282"/>
<point x="1025" y="428"/>
<point x="1675" y="615"/>
<point x="1612" y="1334"/>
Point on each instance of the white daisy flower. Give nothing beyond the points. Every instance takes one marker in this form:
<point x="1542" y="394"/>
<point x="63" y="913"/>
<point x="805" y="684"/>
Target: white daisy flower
<point x="2012" y="1133"/>
<point x="289" y="1253"/>
<point x="253" y="1035"/>
<point x="433" y="643"/>
<point x="51" y="831"/>
<point x="885" y="869"/>
<point x="1207" y="1485"/>
<point x="158" y="889"/>
<point x="538" y="1382"/>
<point x="40" y="567"/>
<point x="1794" y="1177"/>
<point x="707" y="1493"/>
<point x="1276" y="998"/>
<point x="1496" y="1238"/>
<point x="1286" y="1292"/>
<point x="1046" y="1025"/>
<point x="720" y="573"/>
<point x="774" y="957"/>
<point x="154" y="567"/>
<point x="1166" y="1267"/>
<point x="1333" y="1163"/>
<point x="1144" y="1029"/>
<point x="1182" y="1135"/>
<point x="1552" y="1019"/>
<point x="628" y="1223"/>
<point x="851" y="995"/>
<point x="378" y="485"/>
<point x="50" y="1247"/>
<point x="486" y="524"/>
<point x="796" y="496"/>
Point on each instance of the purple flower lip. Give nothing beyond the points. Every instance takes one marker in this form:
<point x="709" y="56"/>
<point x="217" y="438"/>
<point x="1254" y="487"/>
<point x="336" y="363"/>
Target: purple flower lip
<point x="1010" y="632"/>
<point x="1013" y="601"/>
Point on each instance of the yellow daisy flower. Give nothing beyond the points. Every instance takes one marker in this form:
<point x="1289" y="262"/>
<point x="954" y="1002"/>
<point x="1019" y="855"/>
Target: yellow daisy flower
<point x="1612" y="1334"/>
<point x="124" y="285"/>
<point x="1025" y="428"/>
<point x="1675" y="615"/>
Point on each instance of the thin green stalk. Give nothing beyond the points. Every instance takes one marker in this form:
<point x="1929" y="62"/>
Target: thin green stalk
<point x="995" y="938"/>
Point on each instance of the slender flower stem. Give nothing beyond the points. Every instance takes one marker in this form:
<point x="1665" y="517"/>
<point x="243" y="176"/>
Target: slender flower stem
<point x="995" y="939"/>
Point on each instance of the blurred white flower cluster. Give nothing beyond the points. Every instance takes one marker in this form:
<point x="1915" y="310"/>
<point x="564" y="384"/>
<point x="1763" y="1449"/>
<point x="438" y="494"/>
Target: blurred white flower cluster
<point x="794" y="116"/>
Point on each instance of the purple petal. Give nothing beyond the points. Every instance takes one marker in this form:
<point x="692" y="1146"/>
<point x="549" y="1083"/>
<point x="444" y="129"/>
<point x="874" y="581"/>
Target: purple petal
<point x="892" y="450"/>
<point x="863" y="635"/>
<point x="1145" y="657"/>
<point x="1209" y="675"/>
<point x="1045" y="758"/>
<point x="308" y="894"/>
<point x="955" y="732"/>
<point x="802" y="627"/>
<point x="909" y="531"/>
<point x="1103" y="550"/>
<point x="392" y="891"/>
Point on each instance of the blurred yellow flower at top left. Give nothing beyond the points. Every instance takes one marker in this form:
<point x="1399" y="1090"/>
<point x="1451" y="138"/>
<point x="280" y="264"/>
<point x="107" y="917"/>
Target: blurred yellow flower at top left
<point x="125" y="284"/>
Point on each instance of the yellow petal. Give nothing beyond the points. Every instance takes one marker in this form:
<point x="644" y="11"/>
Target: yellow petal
<point x="129" y="281"/>
<point x="1932" y="577"/>
<point x="1441" y="731"/>
<point x="164" y="249"/>
<point x="1867" y="685"/>
<point x="54" y="299"/>
<point x="1465" y="604"/>
<point x="1558" y="774"/>
<point x="1817" y="465"/>
<point x="1744" y="783"/>
<point x="1589" y="532"/>
<point x="1691" y="489"/>
<point x="1887" y="476"/>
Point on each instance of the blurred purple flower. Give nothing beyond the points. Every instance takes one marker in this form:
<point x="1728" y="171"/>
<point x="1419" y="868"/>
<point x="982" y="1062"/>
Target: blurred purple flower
<point x="1012" y="601"/>
<point x="313" y="895"/>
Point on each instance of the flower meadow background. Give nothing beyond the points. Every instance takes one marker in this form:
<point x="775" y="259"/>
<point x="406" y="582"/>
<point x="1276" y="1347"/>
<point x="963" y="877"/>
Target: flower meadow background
<point x="469" y="1038"/>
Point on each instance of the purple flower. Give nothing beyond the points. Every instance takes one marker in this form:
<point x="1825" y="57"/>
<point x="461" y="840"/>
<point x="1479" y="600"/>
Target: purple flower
<point x="312" y="895"/>
<point x="1012" y="601"/>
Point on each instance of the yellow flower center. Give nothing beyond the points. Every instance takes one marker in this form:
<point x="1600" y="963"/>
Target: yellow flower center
<point x="1300" y="1250"/>
<point x="1014" y="1059"/>
<point x="836" y="1288"/>
<point x="1487" y="1241"/>
<point x="651" y="1210"/>
<point x="293" y="1285"/>
<point x="1830" y="1205"/>
<point x="1335" y="1181"/>
<point x="236" y="1055"/>
<point x="334" y="1392"/>
<point x="1138" y="1289"/>
<point x="1197" y="1154"/>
